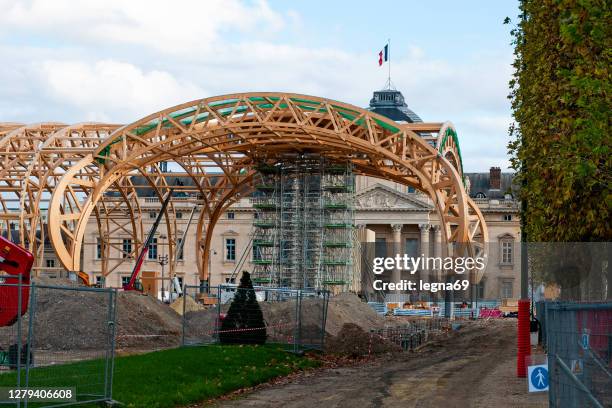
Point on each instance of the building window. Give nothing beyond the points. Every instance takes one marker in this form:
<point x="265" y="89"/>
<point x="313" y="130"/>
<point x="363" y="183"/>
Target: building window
<point x="507" y="217"/>
<point x="506" y="290"/>
<point x="507" y="249"/>
<point x="230" y="249"/>
<point x="99" y="280"/>
<point x="125" y="280"/>
<point x="231" y="215"/>
<point x="50" y="263"/>
<point x="152" y="253"/>
<point x="480" y="290"/>
<point x="412" y="247"/>
<point x="127" y="247"/>
<point x="256" y="216"/>
<point x="481" y="195"/>
<point x="179" y="215"/>
<point x="230" y="280"/>
<point x="180" y="248"/>
<point x="98" y="248"/>
<point x="152" y="214"/>
<point x="380" y="249"/>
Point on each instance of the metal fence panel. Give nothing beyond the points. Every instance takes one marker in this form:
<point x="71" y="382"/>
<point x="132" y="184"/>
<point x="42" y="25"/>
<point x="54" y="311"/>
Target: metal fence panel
<point x="13" y="352"/>
<point x="200" y="316"/>
<point x="60" y="345"/>
<point x="295" y="318"/>
<point x="579" y="344"/>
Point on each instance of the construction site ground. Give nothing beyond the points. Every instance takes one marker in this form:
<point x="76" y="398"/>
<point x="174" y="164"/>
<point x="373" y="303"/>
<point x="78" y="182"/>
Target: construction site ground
<point x="472" y="367"/>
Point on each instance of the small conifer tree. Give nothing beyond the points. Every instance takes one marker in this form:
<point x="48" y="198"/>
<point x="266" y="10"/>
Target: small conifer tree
<point x="244" y="322"/>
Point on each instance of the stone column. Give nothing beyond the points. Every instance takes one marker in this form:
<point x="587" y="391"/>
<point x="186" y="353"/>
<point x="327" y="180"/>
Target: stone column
<point x="424" y="239"/>
<point x="360" y="256"/>
<point x="437" y="250"/>
<point x="397" y="249"/>
<point x="424" y="272"/>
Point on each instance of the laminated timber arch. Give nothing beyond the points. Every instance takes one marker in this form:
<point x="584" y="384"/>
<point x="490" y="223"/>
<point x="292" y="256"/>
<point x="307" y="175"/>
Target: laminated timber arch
<point x="18" y="148"/>
<point x="226" y="137"/>
<point x="34" y="158"/>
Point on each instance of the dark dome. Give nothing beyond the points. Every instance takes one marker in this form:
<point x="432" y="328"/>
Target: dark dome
<point x="391" y="104"/>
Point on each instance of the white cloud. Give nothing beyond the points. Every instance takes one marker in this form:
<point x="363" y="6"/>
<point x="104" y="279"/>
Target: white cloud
<point x="117" y="60"/>
<point x="111" y="90"/>
<point x="186" y="27"/>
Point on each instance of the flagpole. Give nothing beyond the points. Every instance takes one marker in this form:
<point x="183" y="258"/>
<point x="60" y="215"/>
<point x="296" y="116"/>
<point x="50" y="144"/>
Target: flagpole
<point x="389" y="42"/>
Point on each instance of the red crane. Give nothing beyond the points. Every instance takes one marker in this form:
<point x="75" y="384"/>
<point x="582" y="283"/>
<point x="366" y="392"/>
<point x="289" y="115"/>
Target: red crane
<point x="16" y="262"/>
<point x="131" y="285"/>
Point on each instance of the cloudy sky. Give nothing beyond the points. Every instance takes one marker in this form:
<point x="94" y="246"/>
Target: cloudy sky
<point x="119" y="60"/>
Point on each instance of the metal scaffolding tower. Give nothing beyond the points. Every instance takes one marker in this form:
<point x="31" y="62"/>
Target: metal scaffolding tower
<point x="304" y="224"/>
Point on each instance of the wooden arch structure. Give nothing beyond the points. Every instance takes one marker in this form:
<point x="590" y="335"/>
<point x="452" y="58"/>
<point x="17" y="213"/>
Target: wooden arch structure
<point x="34" y="158"/>
<point x="219" y="142"/>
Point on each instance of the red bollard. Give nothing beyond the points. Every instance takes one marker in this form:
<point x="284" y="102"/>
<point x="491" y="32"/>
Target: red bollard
<point x="522" y="341"/>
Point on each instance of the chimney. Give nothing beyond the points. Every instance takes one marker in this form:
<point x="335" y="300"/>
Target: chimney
<point x="495" y="178"/>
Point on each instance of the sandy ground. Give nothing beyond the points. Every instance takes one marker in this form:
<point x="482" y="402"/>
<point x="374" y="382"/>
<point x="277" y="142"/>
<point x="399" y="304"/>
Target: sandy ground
<point x="474" y="367"/>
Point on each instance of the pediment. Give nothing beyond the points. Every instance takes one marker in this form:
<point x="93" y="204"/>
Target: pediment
<point x="380" y="197"/>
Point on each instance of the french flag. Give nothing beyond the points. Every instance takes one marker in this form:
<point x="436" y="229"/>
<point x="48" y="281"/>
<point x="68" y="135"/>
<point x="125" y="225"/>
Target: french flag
<point x="383" y="56"/>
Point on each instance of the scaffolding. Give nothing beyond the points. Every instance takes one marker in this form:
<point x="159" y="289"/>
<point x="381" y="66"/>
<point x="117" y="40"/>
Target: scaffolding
<point x="304" y="224"/>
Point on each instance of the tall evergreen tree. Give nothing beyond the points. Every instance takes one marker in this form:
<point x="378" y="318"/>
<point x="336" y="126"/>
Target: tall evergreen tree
<point x="244" y="322"/>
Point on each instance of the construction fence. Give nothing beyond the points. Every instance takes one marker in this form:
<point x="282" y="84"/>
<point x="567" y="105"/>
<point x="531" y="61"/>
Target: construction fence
<point x="570" y="286"/>
<point x="294" y="318"/>
<point x="578" y="340"/>
<point x="43" y="349"/>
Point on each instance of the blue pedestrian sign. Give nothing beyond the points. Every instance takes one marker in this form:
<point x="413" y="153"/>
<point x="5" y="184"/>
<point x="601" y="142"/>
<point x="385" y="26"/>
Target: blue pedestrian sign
<point x="537" y="376"/>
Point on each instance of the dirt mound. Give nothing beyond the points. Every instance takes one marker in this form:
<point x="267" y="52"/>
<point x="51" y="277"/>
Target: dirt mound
<point x="280" y="318"/>
<point x="190" y="305"/>
<point x="353" y="341"/>
<point x="78" y="320"/>
<point x="348" y="308"/>
<point x="61" y="281"/>
<point x="143" y="321"/>
<point x="342" y="309"/>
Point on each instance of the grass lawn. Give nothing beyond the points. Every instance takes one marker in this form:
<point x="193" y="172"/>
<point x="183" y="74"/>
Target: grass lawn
<point x="179" y="376"/>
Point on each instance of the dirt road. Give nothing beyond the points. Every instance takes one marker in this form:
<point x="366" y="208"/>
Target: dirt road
<point x="474" y="367"/>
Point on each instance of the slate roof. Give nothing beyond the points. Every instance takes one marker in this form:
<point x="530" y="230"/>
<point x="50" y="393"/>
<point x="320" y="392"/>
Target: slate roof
<point x="391" y="104"/>
<point x="479" y="183"/>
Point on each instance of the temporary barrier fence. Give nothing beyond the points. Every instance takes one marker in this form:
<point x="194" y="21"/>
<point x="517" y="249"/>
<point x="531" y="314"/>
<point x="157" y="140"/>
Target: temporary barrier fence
<point x="579" y="345"/>
<point x="292" y="317"/>
<point x="46" y="349"/>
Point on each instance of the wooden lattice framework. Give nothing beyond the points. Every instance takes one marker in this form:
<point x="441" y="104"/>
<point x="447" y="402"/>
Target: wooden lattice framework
<point x="87" y="169"/>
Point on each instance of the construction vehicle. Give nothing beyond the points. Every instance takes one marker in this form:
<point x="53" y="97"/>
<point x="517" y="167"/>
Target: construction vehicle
<point x="134" y="282"/>
<point x="15" y="266"/>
